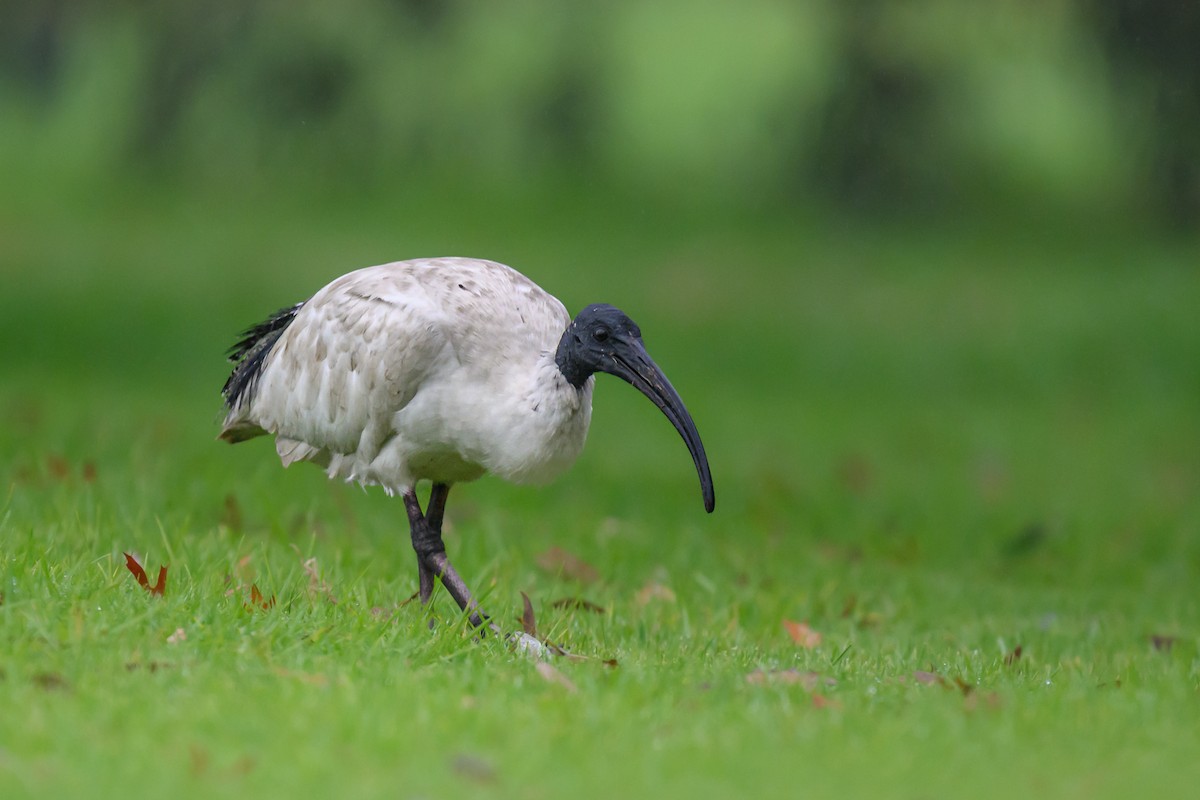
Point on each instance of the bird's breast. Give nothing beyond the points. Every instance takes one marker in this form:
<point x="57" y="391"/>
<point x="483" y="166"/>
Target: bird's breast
<point x="520" y="427"/>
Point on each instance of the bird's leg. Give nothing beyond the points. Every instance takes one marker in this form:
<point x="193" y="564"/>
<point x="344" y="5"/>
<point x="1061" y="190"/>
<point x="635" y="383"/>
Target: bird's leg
<point x="434" y="513"/>
<point x="431" y="552"/>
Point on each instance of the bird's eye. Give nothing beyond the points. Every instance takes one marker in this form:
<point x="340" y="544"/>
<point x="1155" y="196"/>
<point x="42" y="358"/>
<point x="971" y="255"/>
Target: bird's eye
<point x="600" y="334"/>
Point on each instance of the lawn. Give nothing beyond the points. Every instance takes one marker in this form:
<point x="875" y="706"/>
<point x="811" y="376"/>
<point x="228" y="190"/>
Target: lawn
<point x="965" y="459"/>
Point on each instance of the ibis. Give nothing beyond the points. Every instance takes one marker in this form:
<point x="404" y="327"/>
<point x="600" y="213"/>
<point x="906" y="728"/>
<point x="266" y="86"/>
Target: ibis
<point x="437" y="370"/>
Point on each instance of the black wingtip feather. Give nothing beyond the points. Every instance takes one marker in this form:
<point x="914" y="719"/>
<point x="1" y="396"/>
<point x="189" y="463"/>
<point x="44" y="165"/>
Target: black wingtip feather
<point x="250" y="352"/>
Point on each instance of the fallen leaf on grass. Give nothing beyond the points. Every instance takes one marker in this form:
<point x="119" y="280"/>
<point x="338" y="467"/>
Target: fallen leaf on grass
<point x="963" y="686"/>
<point x="51" y="681"/>
<point x="317" y="586"/>
<point x="971" y="701"/>
<point x="528" y="622"/>
<point x="788" y="677"/>
<point x="529" y="626"/>
<point x="871" y="619"/>
<point x="257" y="600"/>
<point x="927" y="678"/>
<point x="311" y="678"/>
<point x="231" y="513"/>
<point x="473" y="768"/>
<point x="1013" y="657"/>
<point x="243" y="766"/>
<point x="821" y="701"/>
<point x="552" y="675"/>
<point x="1163" y="643"/>
<point x="133" y="566"/>
<point x="58" y="467"/>
<point x="802" y="634"/>
<point x="653" y="591"/>
<point x="574" y="602"/>
<point x="562" y="562"/>
<point x="198" y="759"/>
<point x="855" y="473"/>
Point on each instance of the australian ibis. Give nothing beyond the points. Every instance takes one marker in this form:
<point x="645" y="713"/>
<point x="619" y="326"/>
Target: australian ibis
<point x="437" y="370"/>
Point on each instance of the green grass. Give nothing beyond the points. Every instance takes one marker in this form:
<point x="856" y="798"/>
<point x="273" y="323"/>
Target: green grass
<point x="933" y="447"/>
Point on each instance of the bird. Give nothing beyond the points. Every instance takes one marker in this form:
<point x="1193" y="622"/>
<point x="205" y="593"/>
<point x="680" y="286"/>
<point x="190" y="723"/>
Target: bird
<point x="438" y="370"/>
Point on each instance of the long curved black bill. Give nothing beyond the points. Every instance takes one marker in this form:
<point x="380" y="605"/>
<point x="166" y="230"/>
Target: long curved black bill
<point x="633" y="364"/>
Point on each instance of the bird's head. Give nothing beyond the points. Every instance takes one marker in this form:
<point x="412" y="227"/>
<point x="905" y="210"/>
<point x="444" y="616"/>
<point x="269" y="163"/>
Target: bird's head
<point x="603" y="338"/>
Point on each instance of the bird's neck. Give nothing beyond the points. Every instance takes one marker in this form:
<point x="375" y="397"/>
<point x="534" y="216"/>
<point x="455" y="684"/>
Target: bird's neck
<point x="569" y="365"/>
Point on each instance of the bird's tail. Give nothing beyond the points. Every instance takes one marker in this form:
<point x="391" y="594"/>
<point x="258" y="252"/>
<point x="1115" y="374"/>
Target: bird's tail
<point x="249" y="355"/>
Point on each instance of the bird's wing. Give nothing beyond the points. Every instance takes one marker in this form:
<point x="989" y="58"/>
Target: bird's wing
<point x="361" y="349"/>
<point x="493" y="316"/>
<point x="353" y="355"/>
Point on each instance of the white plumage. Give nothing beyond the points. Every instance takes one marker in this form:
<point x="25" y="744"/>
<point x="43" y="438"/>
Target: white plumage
<point x="432" y="369"/>
<point x="439" y="370"/>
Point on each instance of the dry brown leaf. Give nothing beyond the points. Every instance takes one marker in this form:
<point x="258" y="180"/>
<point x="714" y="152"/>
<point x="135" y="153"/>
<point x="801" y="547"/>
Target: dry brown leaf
<point x="552" y="675"/>
<point x="578" y="603"/>
<point x="317" y="586"/>
<point x="473" y="768"/>
<point x="199" y="759"/>
<point x="654" y="591"/>
<point x="802" y="634"/>
<point x="528" y="621"/>
<point x="855" y="473"/>
<point x="1013" y="657"/>
<point x="311" y="678"/>
<point x="231" y="513"/>
<point x="58" y="467"/>
<point x="871" y="619"/>
<point x="258" y="601"/>
<point x="244" y="765"/>
<point x="51" y="681"/>
<point x="927" y="678"/>
<point x="787" y="677"/>
<point x="1163" y="643"/>
<point x="821" y="701"/>
<point x="971" y="701"/>
<point x="139" y="573"/>
<point x="561" y="562"/>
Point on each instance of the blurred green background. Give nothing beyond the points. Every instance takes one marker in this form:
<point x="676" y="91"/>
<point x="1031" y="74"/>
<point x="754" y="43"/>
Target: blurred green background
<point x="932" y="107"/>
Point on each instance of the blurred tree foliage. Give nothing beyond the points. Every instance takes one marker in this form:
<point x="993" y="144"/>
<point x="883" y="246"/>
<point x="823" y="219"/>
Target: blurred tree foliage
<point x="1153" y="50"/>
<point x="866" y="105"/>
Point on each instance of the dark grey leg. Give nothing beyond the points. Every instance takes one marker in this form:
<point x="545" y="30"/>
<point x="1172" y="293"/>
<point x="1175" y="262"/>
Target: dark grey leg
<point x="431" y="553"/>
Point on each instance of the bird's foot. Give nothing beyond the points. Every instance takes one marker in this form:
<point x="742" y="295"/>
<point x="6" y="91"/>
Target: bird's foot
<point x="524" y="644"/>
